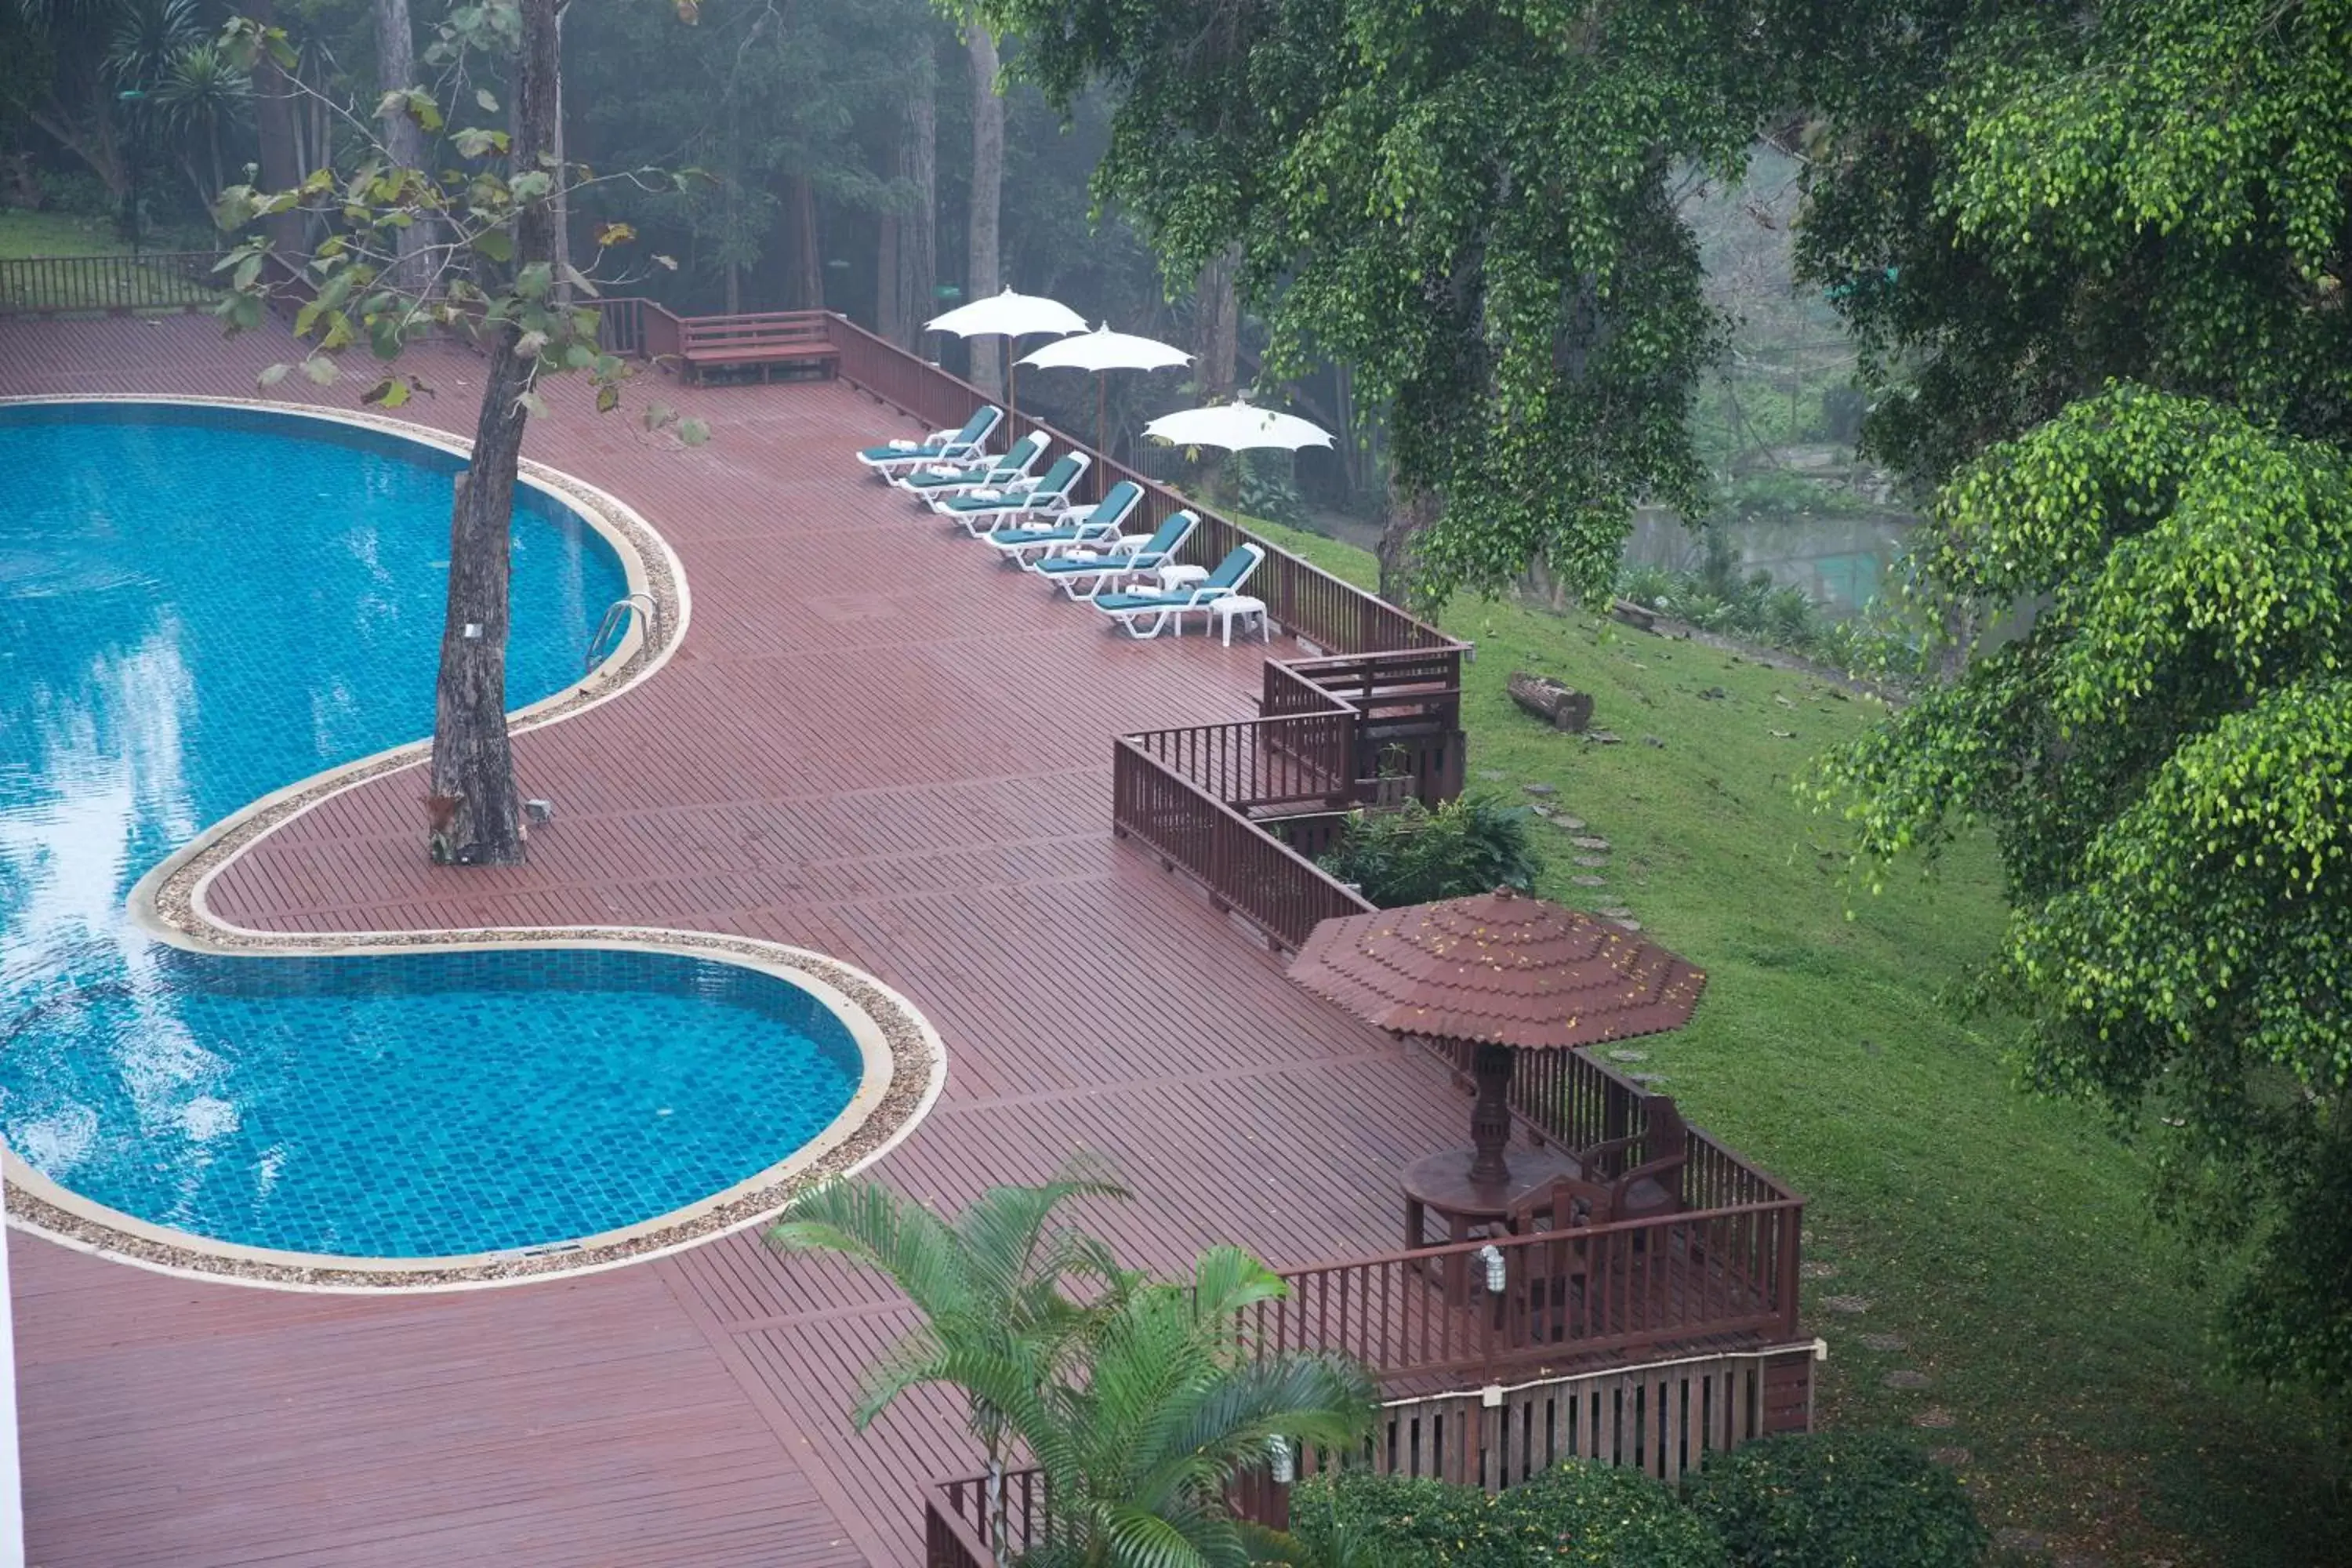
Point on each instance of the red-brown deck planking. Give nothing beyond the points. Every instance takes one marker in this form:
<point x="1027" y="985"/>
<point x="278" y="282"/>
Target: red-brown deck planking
<point x="876" y="742"/>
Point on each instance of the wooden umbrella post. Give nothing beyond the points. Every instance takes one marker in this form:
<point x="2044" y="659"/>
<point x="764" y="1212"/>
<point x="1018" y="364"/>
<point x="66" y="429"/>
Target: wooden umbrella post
<point x="1490" y="1114"/>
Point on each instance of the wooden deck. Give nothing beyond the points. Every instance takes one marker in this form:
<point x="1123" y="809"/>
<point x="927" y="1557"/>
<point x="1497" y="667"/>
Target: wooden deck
<point x="875" y="742"/>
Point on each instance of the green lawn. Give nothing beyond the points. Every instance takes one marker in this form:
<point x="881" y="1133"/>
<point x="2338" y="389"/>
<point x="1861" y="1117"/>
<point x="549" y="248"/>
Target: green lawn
<point x="2003" y="1238"/>
<point x="25" y="235"/>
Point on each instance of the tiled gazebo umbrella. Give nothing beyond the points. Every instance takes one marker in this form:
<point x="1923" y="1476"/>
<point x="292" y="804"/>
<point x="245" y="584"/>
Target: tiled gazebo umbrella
<point x="1502" y="973"/>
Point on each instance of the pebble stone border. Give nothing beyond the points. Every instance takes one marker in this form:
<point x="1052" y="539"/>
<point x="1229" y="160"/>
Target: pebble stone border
<point x="170" y="902"/>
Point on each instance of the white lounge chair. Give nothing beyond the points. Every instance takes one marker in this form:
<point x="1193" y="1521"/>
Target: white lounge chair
<point x="988" y="508"/>
<point x="937" y="480"/>
<point x="1082" y="573"/>
<point x="967" y="445"/>
<point x="1097" y="524"/>
<point x="1128" y="609"/>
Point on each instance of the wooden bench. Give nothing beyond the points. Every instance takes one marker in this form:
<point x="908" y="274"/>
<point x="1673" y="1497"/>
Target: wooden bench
<point x="784" y="338"/>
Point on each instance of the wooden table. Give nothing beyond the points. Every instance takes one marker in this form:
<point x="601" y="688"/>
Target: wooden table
<point x="1440" y="1185"/>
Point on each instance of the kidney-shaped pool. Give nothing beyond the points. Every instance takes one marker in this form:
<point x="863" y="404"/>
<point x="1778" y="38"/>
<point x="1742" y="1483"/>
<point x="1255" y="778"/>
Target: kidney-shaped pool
<point x="200" y="605"/>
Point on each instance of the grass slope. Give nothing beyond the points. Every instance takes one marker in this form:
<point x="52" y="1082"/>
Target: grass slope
<point x="2003" y="1238"/>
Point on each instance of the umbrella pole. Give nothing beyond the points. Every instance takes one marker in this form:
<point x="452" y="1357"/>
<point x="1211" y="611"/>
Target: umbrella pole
<point x="1490" y="1116"/>
<point x="1102" y="405"/>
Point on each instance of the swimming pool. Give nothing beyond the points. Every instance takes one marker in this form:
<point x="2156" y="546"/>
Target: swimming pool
<point x="199" y="605"/>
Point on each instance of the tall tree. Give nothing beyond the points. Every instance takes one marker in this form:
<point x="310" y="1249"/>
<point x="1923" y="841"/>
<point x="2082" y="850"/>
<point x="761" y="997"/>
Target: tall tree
<point x="403" y="138"/>
<point x="984" y="264"/>
<point x="2013" y="204"/>
<point x="1469" y="205"/>
<point x="493" y="273"/>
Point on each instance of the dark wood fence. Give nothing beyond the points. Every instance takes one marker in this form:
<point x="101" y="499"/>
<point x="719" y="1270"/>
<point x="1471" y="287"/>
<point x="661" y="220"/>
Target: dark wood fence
<point x="1663" y="1419"/>
<point x="115" y="284"/>
<point x="1247" y="870"/>
<point x="1565" y="1296"/>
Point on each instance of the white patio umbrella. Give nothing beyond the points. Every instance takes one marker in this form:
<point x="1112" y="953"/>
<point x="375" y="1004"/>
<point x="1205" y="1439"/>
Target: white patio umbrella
<point x="1238" y="426"/>
<point x="1104" y="350"/>
<point x="1009" y="315"/>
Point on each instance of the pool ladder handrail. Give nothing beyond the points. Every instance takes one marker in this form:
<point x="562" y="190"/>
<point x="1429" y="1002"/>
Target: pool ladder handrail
<point x="614" y="613"/>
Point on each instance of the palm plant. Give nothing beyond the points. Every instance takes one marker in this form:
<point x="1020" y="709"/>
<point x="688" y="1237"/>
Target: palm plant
<point x="997" y="1323"/>
<point x="201" y="94"/>
<point x="1139" y="1458"/>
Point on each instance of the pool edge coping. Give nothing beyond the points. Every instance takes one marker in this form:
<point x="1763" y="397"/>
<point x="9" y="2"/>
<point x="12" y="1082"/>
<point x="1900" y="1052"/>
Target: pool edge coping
<point x="169" y="903"/>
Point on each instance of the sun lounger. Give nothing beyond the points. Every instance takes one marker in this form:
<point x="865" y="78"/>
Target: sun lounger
<point x="988" y="508"/>
<point x="1128" y="609"/>
<point x="936" y="479"/>
<point x="1081" y="575"/>
<point x="1097" y="524"/>
<point x="967" y="445"/>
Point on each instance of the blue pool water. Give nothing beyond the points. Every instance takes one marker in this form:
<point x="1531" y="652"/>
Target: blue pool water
<point x="200" y="606"/>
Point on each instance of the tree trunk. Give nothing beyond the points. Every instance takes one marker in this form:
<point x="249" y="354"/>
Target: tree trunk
<point x="889" y="277"/>
<point x="1407" y="516"/>
<point x="1216" y="348"/>
<point x="808" y="256"/>
<point x="918" y="246"/>
<point x="474" y="814"/>
<point x="395" y="53"/>
<point x="985" y="269"/>
<point x="1216" y="324"/>
<point x="274" y="122"/>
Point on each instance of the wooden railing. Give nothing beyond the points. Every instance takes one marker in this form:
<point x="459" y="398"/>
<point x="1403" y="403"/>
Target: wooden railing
<point x="1299" y="760"/>
<point x="1567" y="1296"/>
<point x="1663" y="1418"/>
<point x="118" y="285"/>
<point x="1247" y="870"/>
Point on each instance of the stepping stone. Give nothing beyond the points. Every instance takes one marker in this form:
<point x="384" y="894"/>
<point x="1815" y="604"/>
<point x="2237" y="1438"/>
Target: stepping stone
<point x="1627" y="925"/>
<point x="1614" y="912"/>
<point x="1953" y="1458"/>
<point x="1884" y="1341"/>
<point x="1568" y="824"/>
<point x="1813" y="1271"/>
<point x="1540" y="809"/>
<point x="1653" y="740"/>
<point x="1846" y="1303"/>
<point x="1936" y="1418"/>
<point x="1592" y="860"/>
<point x="1493" y="775"/>
<point x="1540" y="788"/>
<point x="1589" y="880"/>
<point x="1645" y="1078"/>
<point x="1591" y="841"/>
<point x="1783" y="734"/>
<point x="1628" y="1054"/>
<point x="1604" y="737"/>
<point x="1906" y="1378"/>
<point x="1714" y="694"/>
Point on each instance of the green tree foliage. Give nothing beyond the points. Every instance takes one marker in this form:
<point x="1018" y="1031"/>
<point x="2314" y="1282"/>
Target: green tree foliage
<point x="1418" y="854"/>
<point x="1466" y="202"/>
<point x="1837" y="1499"/>
<point x="1138" y="1400"/>
<point x="1580" y="1515"/>
<point x="2016" y="202"/>
<point x="2166" y="761"/>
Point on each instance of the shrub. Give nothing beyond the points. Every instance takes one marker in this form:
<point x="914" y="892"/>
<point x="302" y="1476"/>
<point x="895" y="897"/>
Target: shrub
<point x="1472" y="845"/>
<point x="1578" y="1516"/>
<point x="1837" y="1499"/>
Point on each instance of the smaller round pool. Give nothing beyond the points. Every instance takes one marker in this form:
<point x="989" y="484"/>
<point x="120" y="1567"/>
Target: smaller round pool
<point x="423" y="1105"/>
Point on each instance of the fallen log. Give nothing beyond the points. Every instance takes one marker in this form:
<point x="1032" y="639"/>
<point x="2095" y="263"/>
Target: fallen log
<point x="1562" y="707"/>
